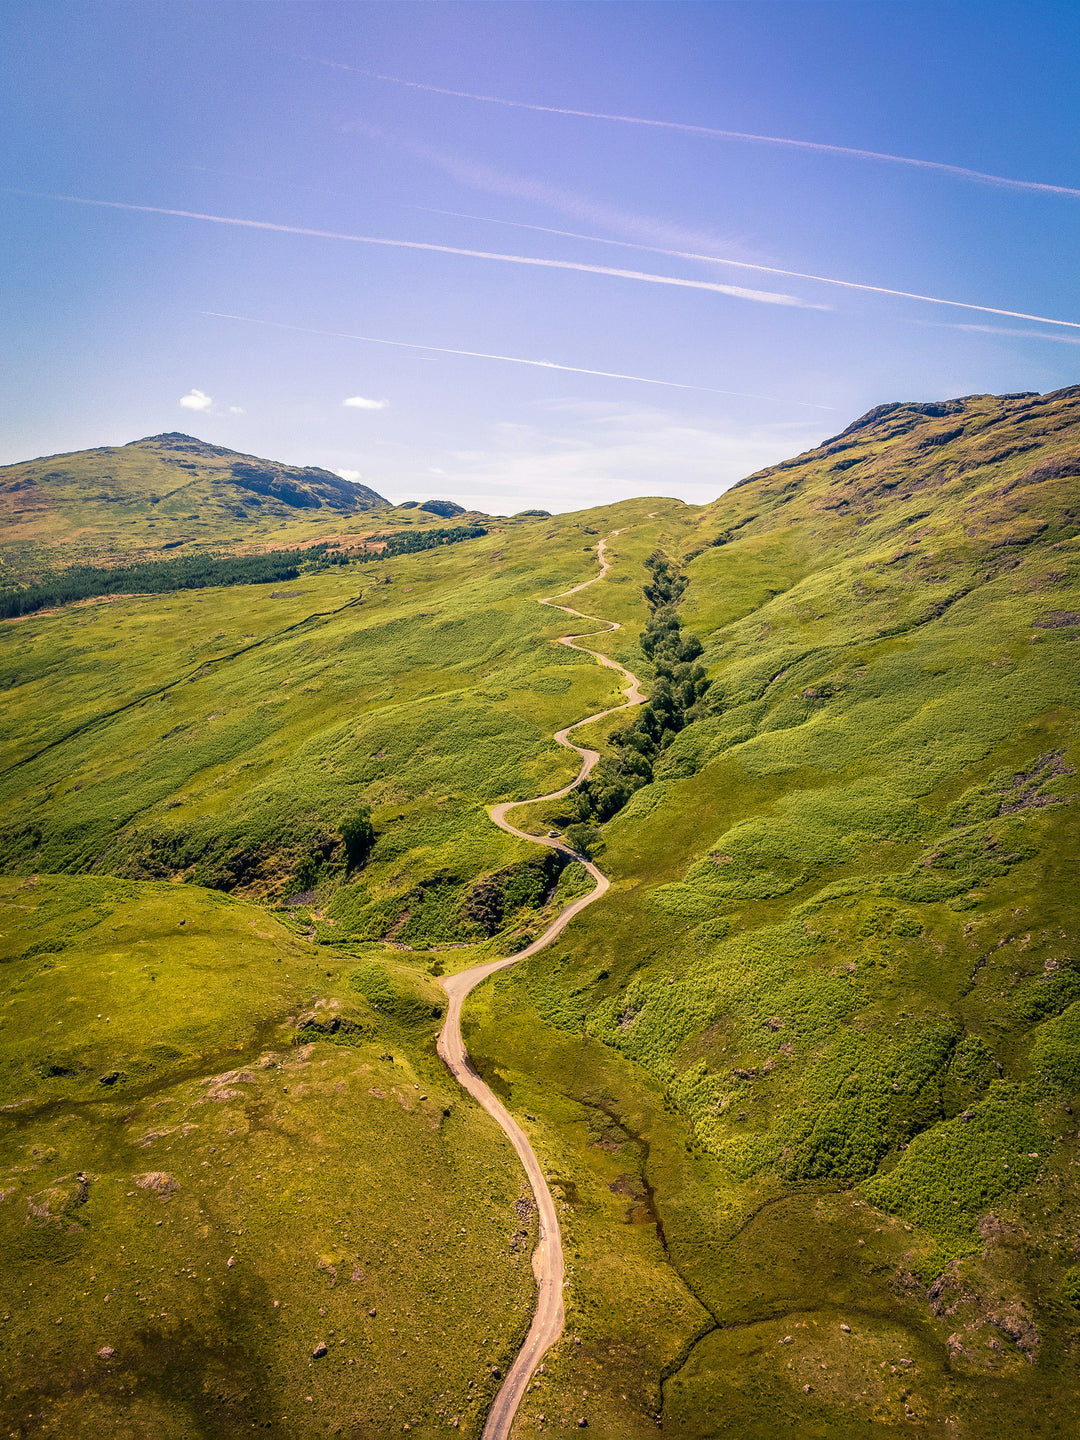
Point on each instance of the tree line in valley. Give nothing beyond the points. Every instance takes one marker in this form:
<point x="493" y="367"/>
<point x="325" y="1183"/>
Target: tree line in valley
<point x="197" y="571"/>
<point x="679" y="686"/>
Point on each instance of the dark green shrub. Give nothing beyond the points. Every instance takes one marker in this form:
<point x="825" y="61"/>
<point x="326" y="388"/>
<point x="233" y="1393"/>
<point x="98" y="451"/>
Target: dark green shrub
<point x="358" y="836"/>
<point x="585" y="840"/>
<point x="1070" y="1286"/>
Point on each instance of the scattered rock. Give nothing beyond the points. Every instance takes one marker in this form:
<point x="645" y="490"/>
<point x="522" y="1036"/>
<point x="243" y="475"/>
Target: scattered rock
<point x="785" y="1341"/>
<point x="1057" y="619"/>
<point x="110" y="1079"/>
<point x="106" y="1352"/>
<point x="152" y="1135"/>
<point x="319" y="1351"/>
<point x="371" y="1312"/>
<point x="846" y="1329"/>
<point x="1018" y="1326"/>
<point x="157" y="1181"/>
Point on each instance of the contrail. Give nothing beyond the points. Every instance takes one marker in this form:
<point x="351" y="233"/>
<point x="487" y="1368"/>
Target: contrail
<point x="762" y="269"/>
<point x="510" y="359"/>
<point x="1027" y="334"/>
<point x="959" y="170"/>
<point x="767" y="297"/>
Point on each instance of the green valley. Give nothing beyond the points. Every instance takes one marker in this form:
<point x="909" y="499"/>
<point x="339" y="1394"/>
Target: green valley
<point x="802" y="1082"/>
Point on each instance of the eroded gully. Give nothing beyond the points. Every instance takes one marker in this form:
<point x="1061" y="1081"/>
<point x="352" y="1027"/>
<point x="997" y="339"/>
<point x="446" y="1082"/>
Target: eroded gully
<point x="547" y="1261"/>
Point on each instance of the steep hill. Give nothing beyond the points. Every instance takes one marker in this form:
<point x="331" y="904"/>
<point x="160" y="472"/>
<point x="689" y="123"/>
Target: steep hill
<point x="160" y="493"/>
<point x="803" y="1081"/>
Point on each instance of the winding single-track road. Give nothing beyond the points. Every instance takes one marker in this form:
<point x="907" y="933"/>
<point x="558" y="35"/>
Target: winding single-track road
<point x="547" y="1321"/>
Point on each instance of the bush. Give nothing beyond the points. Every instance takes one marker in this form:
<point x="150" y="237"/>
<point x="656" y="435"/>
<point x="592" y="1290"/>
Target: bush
<point x="357" y="835"/>
<point x="585" y="840"/>
<point x="1070" y="1286"/>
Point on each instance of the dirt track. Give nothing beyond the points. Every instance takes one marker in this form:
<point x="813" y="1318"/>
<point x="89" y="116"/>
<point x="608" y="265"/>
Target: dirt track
<point x="547" y="1321"/>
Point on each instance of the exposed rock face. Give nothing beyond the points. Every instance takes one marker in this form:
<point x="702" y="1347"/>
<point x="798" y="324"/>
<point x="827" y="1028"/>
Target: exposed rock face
<point x="157" y="1181"/>
<point x="303" y="487"/>
<point x="445" y="508"/>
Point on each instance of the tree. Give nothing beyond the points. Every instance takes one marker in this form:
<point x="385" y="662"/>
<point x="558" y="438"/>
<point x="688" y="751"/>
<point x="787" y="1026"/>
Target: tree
<point x="584" y="840"/>
<point x="358" y="836"/>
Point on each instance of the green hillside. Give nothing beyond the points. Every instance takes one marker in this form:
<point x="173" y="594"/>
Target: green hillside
<point x="803" y="1081"/>
<point x="171" y="495"/>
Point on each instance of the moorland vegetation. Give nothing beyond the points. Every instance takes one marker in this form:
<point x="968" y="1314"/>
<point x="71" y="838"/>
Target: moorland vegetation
<point x="803" y="1082"/>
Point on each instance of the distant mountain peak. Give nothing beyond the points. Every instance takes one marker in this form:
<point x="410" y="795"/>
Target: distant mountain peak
<point x="175" y="440"/>
<point x="302" y="487"/>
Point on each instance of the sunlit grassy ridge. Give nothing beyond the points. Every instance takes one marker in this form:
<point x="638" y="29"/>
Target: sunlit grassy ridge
<point x="803" y="1081"/>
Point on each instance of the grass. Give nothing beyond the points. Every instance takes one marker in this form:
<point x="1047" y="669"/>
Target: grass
<point x="198" y="1178"/>
<point x="810" y="1064"/>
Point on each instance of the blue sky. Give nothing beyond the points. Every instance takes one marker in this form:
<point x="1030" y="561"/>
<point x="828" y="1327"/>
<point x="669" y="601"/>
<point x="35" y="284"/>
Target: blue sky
<point x="275" y="113"/>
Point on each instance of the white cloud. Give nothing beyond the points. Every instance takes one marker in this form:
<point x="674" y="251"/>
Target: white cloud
<point x="361" y="402"/>
<point x="197" y="400"/>
<point x="236" y="410"/>
<point x="592" y="453"/>
<point x="353" y="475"/>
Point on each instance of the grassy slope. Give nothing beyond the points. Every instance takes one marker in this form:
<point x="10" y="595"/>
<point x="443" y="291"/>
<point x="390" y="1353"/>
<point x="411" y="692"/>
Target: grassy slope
<point x="778" y="1074"/>
<point x="329" y="1152"/>
<point x="173" y="494"/>
<point x="231" y="1198"/>
<point x="826" y="947"/>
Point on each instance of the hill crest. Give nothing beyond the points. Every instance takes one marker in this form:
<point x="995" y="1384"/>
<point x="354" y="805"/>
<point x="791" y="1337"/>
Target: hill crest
<point x="161" y="490"/>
